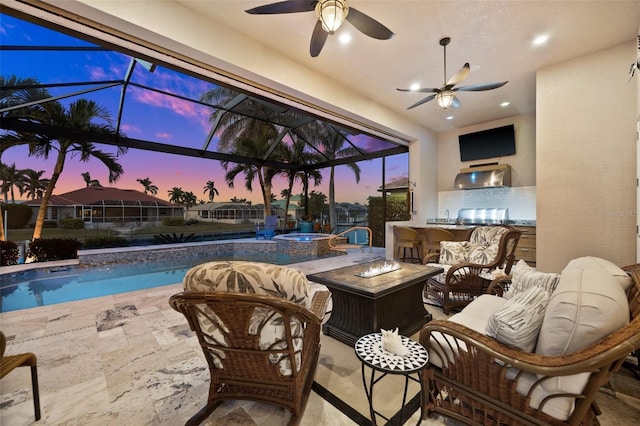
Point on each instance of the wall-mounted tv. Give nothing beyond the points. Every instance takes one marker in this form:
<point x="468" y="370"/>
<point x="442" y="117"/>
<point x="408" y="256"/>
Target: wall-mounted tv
<point x="491" y="143"/>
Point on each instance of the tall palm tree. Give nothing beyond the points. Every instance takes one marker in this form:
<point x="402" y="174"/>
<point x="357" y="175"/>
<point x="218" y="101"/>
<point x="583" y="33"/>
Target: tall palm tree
<point x="250" y="135"/>
<point x="210" y="187"/>
<point x="189" y="200"/>
<point x="253" y="147"/>
<point x="83" y="115"/>
<point x="90" y="182"/>
<point x="34" y="184"/>
<point x="148" y="186"/>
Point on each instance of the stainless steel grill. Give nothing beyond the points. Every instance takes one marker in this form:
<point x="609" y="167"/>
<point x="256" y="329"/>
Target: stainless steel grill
<point x="482" y="216"/>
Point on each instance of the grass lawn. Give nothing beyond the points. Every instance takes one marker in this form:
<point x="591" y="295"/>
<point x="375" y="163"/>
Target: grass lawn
<point x="135" y="231"/>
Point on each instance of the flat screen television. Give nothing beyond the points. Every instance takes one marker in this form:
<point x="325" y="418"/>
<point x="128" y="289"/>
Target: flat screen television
<point x="491" y="143"/>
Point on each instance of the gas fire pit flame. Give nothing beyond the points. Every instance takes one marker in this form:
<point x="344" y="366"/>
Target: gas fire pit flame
<point x="379" y="270"/>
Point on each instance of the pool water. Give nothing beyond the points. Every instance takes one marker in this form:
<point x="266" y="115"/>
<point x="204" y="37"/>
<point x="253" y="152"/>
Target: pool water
<point x="48" y="286"/>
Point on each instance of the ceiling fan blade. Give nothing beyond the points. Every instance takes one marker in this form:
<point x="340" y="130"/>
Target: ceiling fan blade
<point x="423" y="90"/>
<point x="288" y="6"/>
<point x="459" y="76"/>
<point x="480" y="87"/>
<point x="455" y="103"/>
<point x="318" y="38"/>
<point x="367" y="25"/>
<point x="422" y="101"/>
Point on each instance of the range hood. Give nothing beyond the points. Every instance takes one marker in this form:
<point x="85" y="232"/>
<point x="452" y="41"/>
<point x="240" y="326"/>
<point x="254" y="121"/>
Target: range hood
<point x="490" y="176"/>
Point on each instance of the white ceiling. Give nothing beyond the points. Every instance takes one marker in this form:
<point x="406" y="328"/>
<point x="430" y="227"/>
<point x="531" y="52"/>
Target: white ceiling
<point x="495" y="37"/>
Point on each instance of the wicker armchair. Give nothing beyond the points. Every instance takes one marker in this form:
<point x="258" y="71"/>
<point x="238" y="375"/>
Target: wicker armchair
<point x="483" y="381"/>
<point x="468" y="265"/>
<point x="8" y="363"/>
<point x="259" y="329"/>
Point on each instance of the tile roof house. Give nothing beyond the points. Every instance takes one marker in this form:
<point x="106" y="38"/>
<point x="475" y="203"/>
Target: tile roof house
<point x="97" y="204"/>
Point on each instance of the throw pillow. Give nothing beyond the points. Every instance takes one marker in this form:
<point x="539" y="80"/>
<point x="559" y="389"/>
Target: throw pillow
<point x="453" y="252"/>
<point x="517" y="322"/>
<point x="484" y="244"/>
<point x="523" y="277"/>
<point x="614" y="270"/>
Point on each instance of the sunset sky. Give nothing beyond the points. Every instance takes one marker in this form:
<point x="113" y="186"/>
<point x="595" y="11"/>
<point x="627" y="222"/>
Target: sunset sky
<point x="152" y="116"/>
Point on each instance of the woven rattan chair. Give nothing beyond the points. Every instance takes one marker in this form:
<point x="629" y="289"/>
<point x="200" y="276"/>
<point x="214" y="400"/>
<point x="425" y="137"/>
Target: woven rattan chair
<point x="259" y="347"/>
<point x="467" y="279"/>
<point x="433" y="237"/>
<point x="476" y="383"/>
<point x="8" y="363"/>
<point x="407" y="238"/>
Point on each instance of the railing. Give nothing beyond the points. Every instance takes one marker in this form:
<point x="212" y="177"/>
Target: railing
<point x="333" y="241"/>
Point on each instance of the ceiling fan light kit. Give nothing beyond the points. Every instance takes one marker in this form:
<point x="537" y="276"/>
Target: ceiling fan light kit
<point x="332" y="14"/>
<point x="445" y="96"/>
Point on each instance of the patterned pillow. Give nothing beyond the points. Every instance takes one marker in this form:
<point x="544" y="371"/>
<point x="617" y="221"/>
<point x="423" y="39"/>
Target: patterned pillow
<point x="517" y="322"/>
<point x="484" y="244"/>
<point x="523" y="277"/>
<point x="453" y="252"/>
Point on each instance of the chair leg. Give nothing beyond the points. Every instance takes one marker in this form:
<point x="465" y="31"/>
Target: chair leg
<point x="36" y="392"/>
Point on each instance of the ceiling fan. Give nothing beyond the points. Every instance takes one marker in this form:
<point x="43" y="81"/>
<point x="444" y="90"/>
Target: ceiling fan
<point x="331" y="15"/>
<point x="445" y="96"/>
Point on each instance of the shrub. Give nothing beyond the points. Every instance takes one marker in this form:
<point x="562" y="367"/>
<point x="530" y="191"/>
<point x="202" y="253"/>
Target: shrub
<point x="191" y="222"/>
<point x="18" y="215"/>
<point x="43" y="250"/>
<point x="104" y="242"/>
<point x="396" y="210"/>
<point x="49" y="224"/>
<point x="173" y="238"/>
<point x="173" y="221"/>
<point x="8" y="253"/>
<point x="71" y="223"/>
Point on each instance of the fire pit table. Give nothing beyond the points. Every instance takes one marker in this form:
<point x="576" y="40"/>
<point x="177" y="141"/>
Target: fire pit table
<point x="365" y="301"/>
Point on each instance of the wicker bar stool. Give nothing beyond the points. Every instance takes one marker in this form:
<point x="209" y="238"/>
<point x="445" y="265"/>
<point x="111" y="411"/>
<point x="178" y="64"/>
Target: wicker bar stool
<point x="407" y="238"/>
<point x="10" y="362"/>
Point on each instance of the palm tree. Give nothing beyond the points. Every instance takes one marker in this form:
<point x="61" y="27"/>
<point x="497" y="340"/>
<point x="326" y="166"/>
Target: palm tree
<point x="175" y="195"/>
<point x="249" y="135"/>
<point x="333" y="144"/>
<point x="80" y="115"/>
<point x="34" y="185"/>
<point x="189" y="200"/>
<point x="148" y="186"/>
<point x="12" y="177"/>
<point x="90" y="182"/>
<point x="210" y="187"/>
<point x="253" y="147"/>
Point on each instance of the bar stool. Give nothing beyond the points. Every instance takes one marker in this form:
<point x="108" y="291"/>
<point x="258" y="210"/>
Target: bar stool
<point x="407" y="238"/>
<point x="433" y="236"/>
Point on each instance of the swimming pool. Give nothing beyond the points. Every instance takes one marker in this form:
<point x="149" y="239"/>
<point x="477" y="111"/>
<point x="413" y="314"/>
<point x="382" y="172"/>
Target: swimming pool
<point x="40" y="287"/>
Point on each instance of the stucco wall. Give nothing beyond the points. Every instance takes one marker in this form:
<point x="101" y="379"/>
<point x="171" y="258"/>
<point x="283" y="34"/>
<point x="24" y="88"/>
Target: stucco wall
<point x="586" y="159"/>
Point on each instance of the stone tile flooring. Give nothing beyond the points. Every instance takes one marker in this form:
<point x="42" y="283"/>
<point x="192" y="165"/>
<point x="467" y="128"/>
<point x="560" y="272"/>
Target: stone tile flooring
<point x="126" y="359"/>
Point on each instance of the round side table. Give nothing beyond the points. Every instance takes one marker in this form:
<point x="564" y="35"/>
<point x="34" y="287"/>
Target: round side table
<point x="369" y="350"/>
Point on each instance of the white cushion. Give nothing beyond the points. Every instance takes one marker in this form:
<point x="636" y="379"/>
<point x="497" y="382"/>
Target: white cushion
<point x="517" y="322"/>
<point x="588" y="304"/>
<point x="484" y="244"/>
<point x="614" y="270"/>
<point x="524" y="277"/>
<point x="475" y="316"/>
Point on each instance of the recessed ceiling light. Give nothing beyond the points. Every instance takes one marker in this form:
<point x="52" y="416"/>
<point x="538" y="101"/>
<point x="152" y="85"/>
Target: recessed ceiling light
<point x="450" y="117"/>
<point x="541" y="39"/>
<point x="414" y="87"/>
<point x="505" y="104"/>
<point x="345" y="38"/>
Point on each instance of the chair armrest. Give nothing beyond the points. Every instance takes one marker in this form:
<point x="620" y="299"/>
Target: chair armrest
<point x="499" y="285"/>
<point x="481" y="347"/>
<point x="319" y="303"/>
<point x="431" y="258"/>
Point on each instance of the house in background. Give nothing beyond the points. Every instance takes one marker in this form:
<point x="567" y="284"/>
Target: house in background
<point x="97" y="204"/>
<point x="228" y="212"/>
